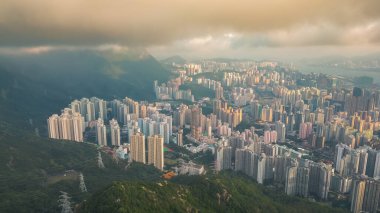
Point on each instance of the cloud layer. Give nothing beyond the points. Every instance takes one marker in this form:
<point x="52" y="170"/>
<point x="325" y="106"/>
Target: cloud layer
<point x="153" y="23"/>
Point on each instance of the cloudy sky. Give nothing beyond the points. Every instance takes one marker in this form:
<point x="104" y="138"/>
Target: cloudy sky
<point x="195" y="28"/>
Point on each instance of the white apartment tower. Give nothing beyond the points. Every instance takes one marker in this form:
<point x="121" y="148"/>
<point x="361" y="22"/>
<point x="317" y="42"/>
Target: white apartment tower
<point x="115" y="132"/>
<point x="137" y="142"/>
<point x="156" y="151"/>
<point x="67" y="126"/>
<point x="53" y="123"/>
<point x="101" y="133"/>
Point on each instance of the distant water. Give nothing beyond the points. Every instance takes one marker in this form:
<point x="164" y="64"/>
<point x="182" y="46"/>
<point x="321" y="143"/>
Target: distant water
<point x="350" y="73"/>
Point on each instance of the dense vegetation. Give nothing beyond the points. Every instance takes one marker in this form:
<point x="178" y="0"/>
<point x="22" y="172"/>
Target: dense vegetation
<point x="225" y="192"/>
<point x="33" y="171"/>
<point x="199" y="91"/>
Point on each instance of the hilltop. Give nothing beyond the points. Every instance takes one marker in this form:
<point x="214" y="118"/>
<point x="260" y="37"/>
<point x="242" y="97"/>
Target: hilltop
<point x="174" y="59"/>
<point x="225" y="192"/>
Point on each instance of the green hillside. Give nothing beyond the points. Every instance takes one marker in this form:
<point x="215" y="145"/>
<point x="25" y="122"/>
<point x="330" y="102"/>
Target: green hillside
<point x="33" y="171"/>
<point x="198" y="91"/>
<point x="226" y="192"/>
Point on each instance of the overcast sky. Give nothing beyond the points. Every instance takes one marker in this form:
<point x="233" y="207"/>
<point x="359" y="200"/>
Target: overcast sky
<point x="195" y="28"/>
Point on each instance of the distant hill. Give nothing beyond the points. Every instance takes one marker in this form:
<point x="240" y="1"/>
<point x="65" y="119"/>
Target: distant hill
<point x="174" y="59"/>
<point x="225" y="192"/>
<point x="36" y="85"/>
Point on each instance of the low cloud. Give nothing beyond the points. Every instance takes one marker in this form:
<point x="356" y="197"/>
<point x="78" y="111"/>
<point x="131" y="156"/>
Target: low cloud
<point x="166" y="22"/>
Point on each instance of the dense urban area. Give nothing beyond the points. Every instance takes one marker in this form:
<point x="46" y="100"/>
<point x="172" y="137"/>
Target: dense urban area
<point x="314" y="135"/>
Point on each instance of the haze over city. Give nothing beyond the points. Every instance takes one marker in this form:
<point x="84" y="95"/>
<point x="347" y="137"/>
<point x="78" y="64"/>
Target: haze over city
<point x="190" y="106"/>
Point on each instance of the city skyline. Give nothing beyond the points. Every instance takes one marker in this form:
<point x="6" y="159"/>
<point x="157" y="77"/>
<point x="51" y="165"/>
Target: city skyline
<point x="312" y="135"/>
<point x="190" y="106"/>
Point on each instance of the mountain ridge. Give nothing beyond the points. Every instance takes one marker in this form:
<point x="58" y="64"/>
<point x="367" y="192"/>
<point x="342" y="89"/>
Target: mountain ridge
<point x="57" y="77"/>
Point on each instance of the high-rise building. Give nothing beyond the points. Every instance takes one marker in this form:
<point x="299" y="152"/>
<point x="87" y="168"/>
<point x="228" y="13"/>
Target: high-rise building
<point x="122" y="113"/>
<point x="83" y="107"/>
<point x="291" y="180"/>
<point x="290" y="123"/>
<point x="68" y="126"/>
<point x="156" y="151"/>
<point x="299" y="118"/>
<point x="223" y="158"/>
<point x="65" y="125"/>
<point x="281" y="131"/>
<point x="297" y="181"/>
<point x="180" y="137"/>
<point x="273" y="136"/>
<point x="363" y="159"/>
<point x="303" y="174"/>
<point x="77" y="127"/>
<point x="320" y="179"/>
<point x="115" y="132"/>
<point x="164" y="131"/>
<point x="262" y="168"/>
<point x="281" y="163"/>
<point x="133" y="107"/>
<point x="53" y="126"/>
<point x="341" y="184"/>
<point x="267" y="114"/>
<point x="319" y="116"/>
<point x="101" y="133"/>
<point x="376" y="171"/>
<point x="256" y="110"/>
<point x="100" y="108"/>
<point x="143" y="112"/>
<point x="371" y="196"/>
<point x="75" y="106"/>
<point x="373" y="163"/>
<point x="245" y="162"/>
<point x="137" y="142"/>
<point x="303" y="131"/>
<point x="219" y="92"/>
<point x="357" y="195"/>
<point x="267" y="137"/>
<point x="90" y="111"/>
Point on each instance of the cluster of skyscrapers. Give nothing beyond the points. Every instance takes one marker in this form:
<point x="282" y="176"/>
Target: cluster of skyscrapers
<point x="129" y="123"/>
<point x="221" y="121"/>
<point x="313" y="109"/>
<point x="114" y="133"/>
<point x="213" y="85"/>
<point x="171" y="91"/>
<point x="155" y="149"/>
<point x="67" y="126"/>
<point x="71" y="124"/>
<point x="272" y="163"/>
